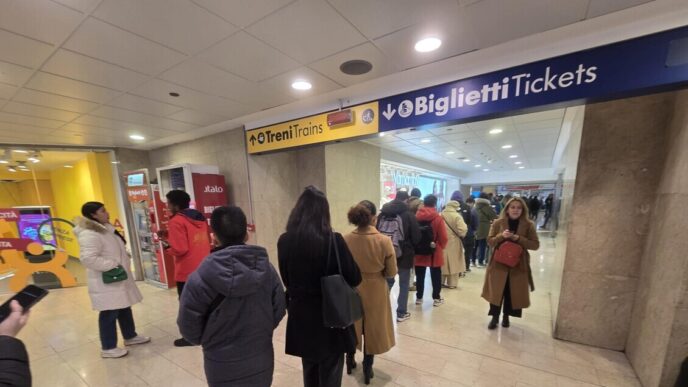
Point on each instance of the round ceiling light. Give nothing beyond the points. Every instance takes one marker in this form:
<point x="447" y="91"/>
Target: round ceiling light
<point x="137" y="137"/>
<point x="428" y="44"/>
<point x="496" y="131"/>
<point x="301" y="85"/>
<point x="506" y="146"/>
<point x="356" y="67"/>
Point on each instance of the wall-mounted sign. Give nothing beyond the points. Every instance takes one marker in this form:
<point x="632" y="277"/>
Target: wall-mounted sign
<point x="637" y="66"/>
<point x="9" y="214"/>
<point x="357" y="121"/>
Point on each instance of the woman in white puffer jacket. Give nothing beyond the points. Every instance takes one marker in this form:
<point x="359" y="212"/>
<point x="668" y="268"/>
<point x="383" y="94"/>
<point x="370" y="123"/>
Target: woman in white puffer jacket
<point x="103" y="249"/>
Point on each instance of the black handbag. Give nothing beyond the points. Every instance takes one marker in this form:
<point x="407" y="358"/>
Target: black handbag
<point x="341" y="303"/>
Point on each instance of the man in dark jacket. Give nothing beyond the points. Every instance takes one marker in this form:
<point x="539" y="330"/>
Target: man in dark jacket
<point x="231" y="304"/>
<point x="399" y="207"/>
<point x="14" y="361"/>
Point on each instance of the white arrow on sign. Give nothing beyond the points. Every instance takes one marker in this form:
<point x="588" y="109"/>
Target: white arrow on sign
<point x="389" y="113"/>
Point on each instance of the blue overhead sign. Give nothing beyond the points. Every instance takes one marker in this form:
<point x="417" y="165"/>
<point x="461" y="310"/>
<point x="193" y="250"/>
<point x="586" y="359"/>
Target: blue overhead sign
<point x="642" y="65"/>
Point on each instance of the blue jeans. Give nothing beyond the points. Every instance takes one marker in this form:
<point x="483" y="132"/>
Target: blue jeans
<point x="402" y="300"/>
<point x="107" y="324"/>
<point x="481" y="247"/>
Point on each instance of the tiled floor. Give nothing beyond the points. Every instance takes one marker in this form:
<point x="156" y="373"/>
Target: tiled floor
<point x="445" y="346"/>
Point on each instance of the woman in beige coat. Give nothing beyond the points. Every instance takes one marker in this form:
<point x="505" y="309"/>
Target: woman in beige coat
<point x="375" y="256"/>
<point x="507" y="287"/>
<point x="454" y="263"/>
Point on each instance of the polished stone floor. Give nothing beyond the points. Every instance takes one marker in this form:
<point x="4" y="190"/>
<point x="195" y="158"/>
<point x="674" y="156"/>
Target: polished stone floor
<point x="443" y="346"/>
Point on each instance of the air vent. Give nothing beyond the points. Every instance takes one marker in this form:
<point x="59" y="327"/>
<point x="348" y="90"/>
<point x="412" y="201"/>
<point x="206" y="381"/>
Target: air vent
<point x="356" y="67"/>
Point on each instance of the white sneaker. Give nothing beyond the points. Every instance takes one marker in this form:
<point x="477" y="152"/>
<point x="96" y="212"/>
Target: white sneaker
<point x="404" y="317"/>
<point x="419" y="301"/>
<point x="137" y="340"/>
<point x="438" y="302"/>
<point x="113" y="353"/>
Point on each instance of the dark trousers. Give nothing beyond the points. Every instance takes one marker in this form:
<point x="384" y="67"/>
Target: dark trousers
<point x="325" y="372"/>
<point x="468" y="247"/>
<point x="508" y="310"/>
<point x="107" y="325"/>
<point x="180" y="288"/>
<point x="480" y="250"/>
<point x="436" y="279"/>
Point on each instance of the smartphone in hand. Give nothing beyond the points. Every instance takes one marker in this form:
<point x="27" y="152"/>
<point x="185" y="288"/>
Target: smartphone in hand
<point x="27" y="298"/>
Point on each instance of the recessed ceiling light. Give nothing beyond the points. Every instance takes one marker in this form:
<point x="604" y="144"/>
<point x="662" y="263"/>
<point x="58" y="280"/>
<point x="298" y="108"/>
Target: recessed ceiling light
<point x="521" y="167"/>
<point x="506" y="146"/>
<point x="486" y="170"/>
<point x="34" y="160"/>
<point x="513" y="156"/>
<point x="425" y="140"/>
<point x="489" y="161"/>
<point x="450" y="153"/>
<point x="115" y="162"/>
<point x="11" y="169"/>
<point x="496" y="131"/>
<point x="382" y="134"/>
<point x="2" y="161"/>
<point x="137" y="137"/>
<point x="466" y="160"/>
<point x="518" y="162"/>
<point x="428" y="44"/>
<point x="174" y="94"/>
<point x="301" y="85"/>
<point x="20" y="151"/>
<point x="68" y="166"/>
<point x="477" y="165"/>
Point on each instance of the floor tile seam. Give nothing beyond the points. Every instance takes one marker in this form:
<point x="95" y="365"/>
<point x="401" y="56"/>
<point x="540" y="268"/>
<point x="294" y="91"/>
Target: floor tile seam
<point x="73" y="369"/>
<point x="418" y="369"/>
<point x="504" y="360"/>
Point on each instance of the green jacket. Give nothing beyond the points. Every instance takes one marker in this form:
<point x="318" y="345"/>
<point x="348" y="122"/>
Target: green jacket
<point x="486" y="214"/>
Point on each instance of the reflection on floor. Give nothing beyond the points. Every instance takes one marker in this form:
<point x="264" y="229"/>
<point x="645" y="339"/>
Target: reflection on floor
<point x="445" y="346"/>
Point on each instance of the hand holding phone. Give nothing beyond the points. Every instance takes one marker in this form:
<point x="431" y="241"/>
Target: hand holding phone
<point x="15" y="321"/>
<point x="25" y="299"/>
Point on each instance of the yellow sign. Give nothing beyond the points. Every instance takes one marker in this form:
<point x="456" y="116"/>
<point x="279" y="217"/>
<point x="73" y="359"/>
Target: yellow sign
<point x="356" y="121"/>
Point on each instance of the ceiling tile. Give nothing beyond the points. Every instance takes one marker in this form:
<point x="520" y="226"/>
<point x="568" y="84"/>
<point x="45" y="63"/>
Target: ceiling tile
<point x="242" y="13"/>
<point x="158" y="89"/>
<point x="603" y="7"/>
<point x="6" y="91"/>
<point x="259" y="61"/>
<point x="54" y="101"/>
<point x="453" y="29"/>
<point x="108" y="43"/>
<point x="67" y="137"/>
<point x="516" y="19"/>
<point x="40" y="111"/>
<point x="460" y="137"/>
<point x="25" y="130"/>
<point x="141" y="119"/>
<point x="76" y="66"/>
<point x="75" y="128"/>
<point x="39" y="19"/>
<point x="28" y="120"/>
<point x="68" y="87"/>
<point x="281" y="84"/>
<point x="330" y="65"/>
<point x="14" y="75"/>
<point x="197" y="117"/>
<point x="415" y="134"/>
<point x="22" y="51"/>
<point x="178" y="24"/>
<point x="80" y="5"/>
<point x="126" y="128"/>
<point x="308" y="30"/>
<point x="381" y="17"/>
<point x="452" y="129"/>
<point x="539" y="116"/>
<point x="144" y="105"/>
<point x="554" y="124"/>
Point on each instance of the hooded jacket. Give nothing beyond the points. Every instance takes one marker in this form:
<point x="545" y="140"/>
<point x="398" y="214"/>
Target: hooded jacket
<point x="439" y="232"/>
<point x="230" y="305"/>
<point x="189" y="242"/>
<point x="456" y="230"/>
<point x="486" y="214"/>
<point x="411" y="231"/>
<point x="102" y="250"/>
<point x="414" y="203"/>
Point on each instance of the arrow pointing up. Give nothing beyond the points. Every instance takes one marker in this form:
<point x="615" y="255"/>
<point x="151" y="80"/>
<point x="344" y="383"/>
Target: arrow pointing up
<point x="253" y="139"/>
<point x="389" y="113"/>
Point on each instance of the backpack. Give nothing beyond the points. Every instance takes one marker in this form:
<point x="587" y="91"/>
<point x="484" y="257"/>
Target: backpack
<point x="465" y="212"/>
<point x="393" y="227"/>
<point x="426" y="246"/>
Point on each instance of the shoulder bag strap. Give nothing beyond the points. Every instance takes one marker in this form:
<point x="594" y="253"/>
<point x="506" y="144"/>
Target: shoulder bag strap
<point x="451" y="228"/>
<point x="333" y="243"/>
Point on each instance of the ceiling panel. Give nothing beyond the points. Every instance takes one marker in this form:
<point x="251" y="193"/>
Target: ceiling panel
<point x="517" y="19"/>
<point x="124" y="128"/>
<point x="415" y="134"/>
<point x="308" y="30"/>
<point x="80" y="5"/>
<point x="330" y="65"/>
<point x="535" y="125"/>
<point x="197" y="117"/>
<point x="452" y="129"/>
<point x="6" y="91"/>
<point x="25" y="130"/>
<point x="603" y="7"/>
<point x="144" y="105"/>
<point x="68" y="87"/>
<point x="108" y="43"/>
<point x="75" y="129"/>
<point x="242" y="13"/>
<point x="76" y="66"/>
<point x="13" y="74"/>
<point x="281" y="84"/>
<point x="539" y="116"/>
<point x="68" y="138"/>
<point x="28" y="120"/>
<point x="264" y="61"/>
<point x="179" y="24"/>
<point x="39" y="19"/>
<point x="22" y="51"/>
<point x="40" y="111"/>
<point x="141" y="118"/>
<point x="54" y="101"/>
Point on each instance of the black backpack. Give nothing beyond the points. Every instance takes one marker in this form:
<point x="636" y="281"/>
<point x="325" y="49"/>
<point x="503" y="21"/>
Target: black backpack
<point x="465" y="212"/>
<point x="426" y="246"/>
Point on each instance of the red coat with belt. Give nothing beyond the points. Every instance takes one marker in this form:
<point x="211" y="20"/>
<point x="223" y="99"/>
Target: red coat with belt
<point x="439" y="233"/>
<point x="189" y="242"/>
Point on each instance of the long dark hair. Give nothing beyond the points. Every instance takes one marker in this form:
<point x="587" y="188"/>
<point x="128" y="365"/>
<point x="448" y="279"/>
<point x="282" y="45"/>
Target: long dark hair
<point x="310" y="218"/>
<point x="90" y="208"/>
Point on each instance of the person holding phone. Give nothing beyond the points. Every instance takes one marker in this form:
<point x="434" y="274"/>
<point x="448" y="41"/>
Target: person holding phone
<point x="103" y="249"/>
<point x="14" y="361"/>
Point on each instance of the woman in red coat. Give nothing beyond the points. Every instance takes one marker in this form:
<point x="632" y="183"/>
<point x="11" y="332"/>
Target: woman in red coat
<point x="430" y="250"/>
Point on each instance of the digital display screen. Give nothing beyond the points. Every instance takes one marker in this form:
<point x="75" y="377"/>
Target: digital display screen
<point x="135" y="180"/>
<point x="29" y="228"/>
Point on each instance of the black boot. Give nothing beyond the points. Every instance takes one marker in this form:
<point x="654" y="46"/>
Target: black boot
<point x="505" y="321"/>
<point x="368" y="368"/>
<point x="493" y="323"/>
<point x="350" y="363"/>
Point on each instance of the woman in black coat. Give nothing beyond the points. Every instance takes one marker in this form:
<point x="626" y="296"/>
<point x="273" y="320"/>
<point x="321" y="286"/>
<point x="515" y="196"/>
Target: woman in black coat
<point x="303" y="259"/>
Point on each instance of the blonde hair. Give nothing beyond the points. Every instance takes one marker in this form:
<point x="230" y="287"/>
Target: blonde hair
<point x="524" y="213"/>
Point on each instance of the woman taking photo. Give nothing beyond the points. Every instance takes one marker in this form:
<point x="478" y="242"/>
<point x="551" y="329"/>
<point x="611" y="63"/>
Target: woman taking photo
<point x="103" y="249"/>
<point x="375" y="256"/>
<point x="306" y="253"/>
<point x="507" y="288"/>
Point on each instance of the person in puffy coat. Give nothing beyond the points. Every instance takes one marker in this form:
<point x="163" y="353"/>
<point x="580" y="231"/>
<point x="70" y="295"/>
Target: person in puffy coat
<point x="102" y="248"/>
<point x="454" y="263"/>
<point x="231" y="305"/>
<point x="428" y="215"/>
